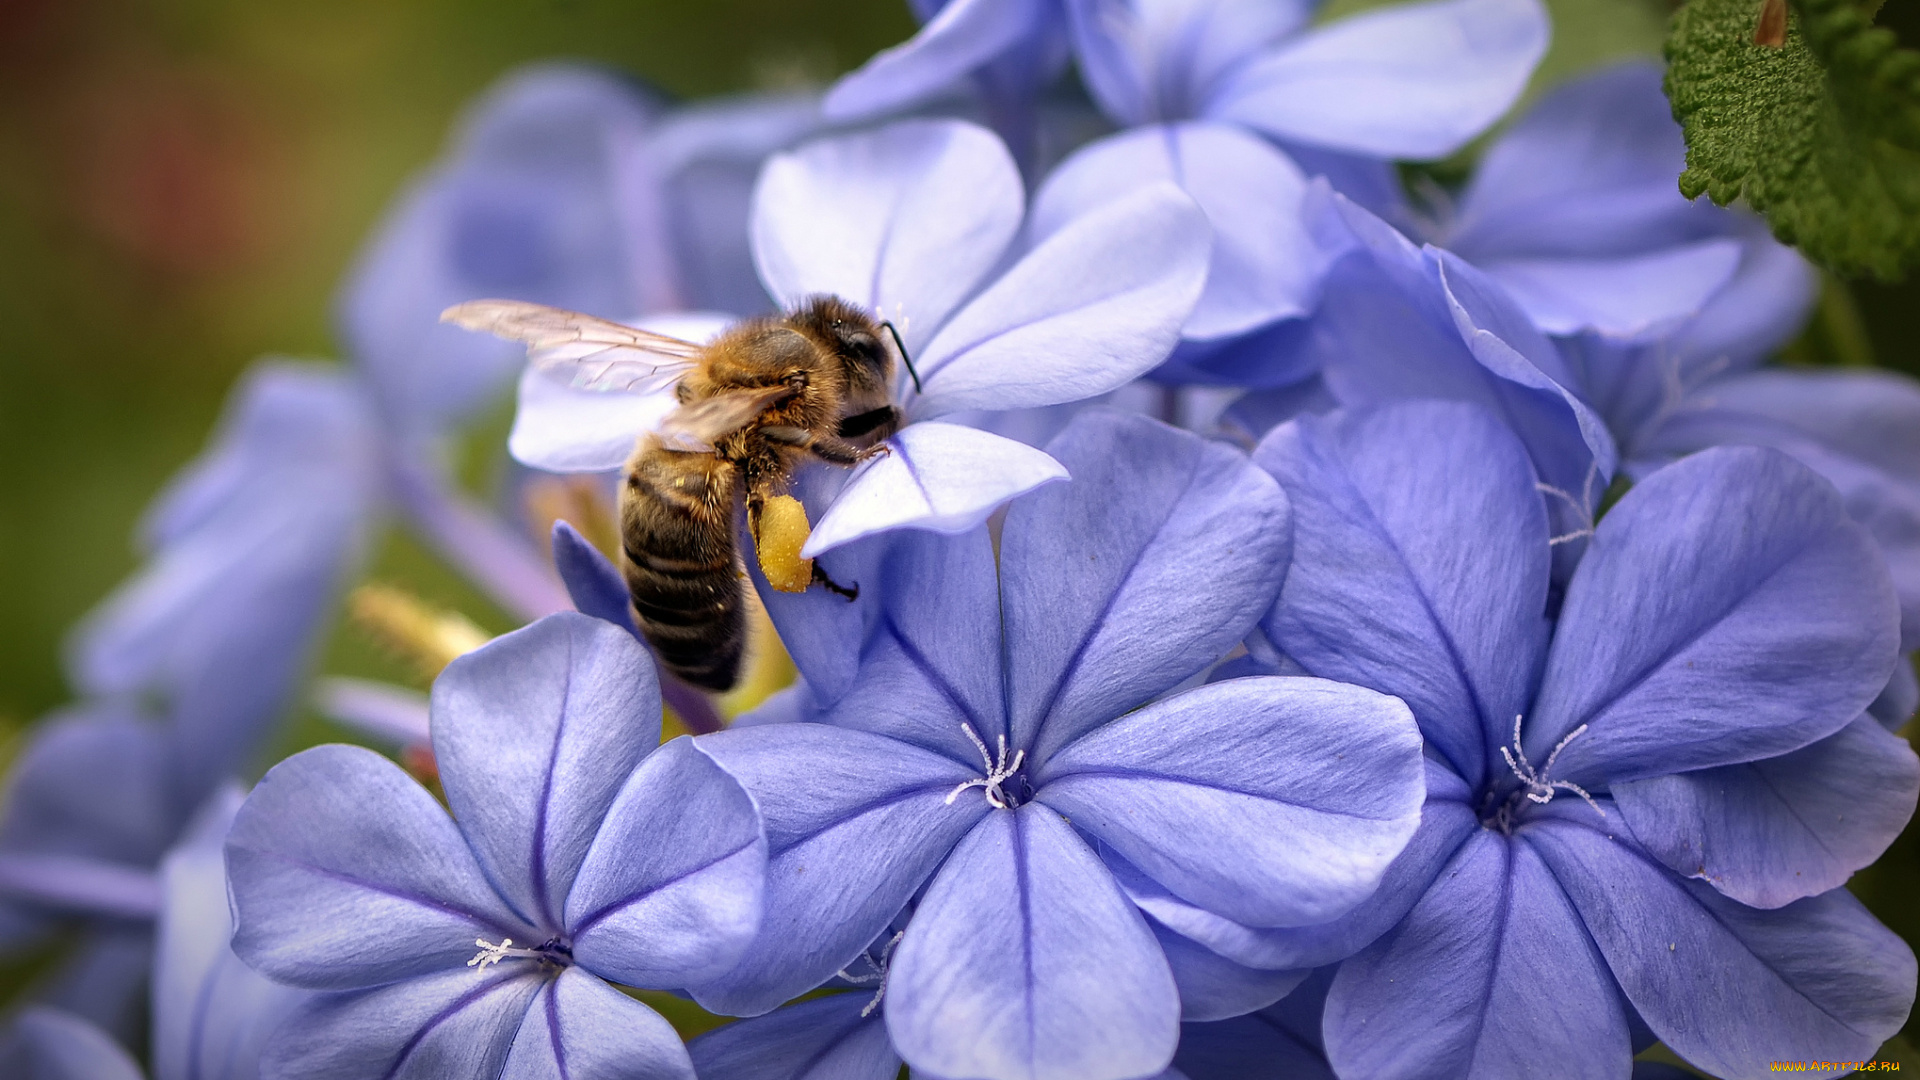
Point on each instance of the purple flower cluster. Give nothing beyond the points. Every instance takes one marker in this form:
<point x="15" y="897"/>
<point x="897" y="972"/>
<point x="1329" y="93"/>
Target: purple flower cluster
<point x="1479" y="663"/>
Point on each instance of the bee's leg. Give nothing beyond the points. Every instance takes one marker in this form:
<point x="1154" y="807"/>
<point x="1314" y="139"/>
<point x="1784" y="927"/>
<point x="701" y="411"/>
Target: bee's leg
<point x="820" y="577"/>
<point x="885" y="420"/>
<point x="825" y="447"/>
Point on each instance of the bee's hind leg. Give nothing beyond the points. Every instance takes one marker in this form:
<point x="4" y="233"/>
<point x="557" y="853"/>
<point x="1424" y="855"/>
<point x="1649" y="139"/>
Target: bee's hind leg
<point x="820" y="578"/>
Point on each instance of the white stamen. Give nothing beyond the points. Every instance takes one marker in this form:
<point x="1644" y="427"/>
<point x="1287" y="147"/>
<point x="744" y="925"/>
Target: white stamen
<point x="878" y="975"/>
<point x="1539" y="788"/>
<point x="1581" y="505"/>
<point x="999" y="771"/>
<point x="492" y="954"/>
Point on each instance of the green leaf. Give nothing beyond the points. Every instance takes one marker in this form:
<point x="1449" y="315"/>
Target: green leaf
<point x="1822" y="135"/>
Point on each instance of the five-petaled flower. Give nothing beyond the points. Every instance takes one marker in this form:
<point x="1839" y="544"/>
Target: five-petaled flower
<point x="484" y="945"/>
<point x="1661" y="839"/>
<point x="987" y="739"/>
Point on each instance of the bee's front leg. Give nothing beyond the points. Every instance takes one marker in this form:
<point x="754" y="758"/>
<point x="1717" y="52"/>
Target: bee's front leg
<point x="825" y="447"/>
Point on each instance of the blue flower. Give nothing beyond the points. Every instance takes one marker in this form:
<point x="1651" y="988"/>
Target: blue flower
<point x="984" y="733"/>
<point x="1638" y="812"/>
<point x="580" y="853"/>
<point x="917" y="223"/>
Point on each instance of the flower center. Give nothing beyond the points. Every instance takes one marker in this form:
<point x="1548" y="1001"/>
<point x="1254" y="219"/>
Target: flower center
<point x="555" y="953"/>
<point x="1536" y="785"/>
<point x="1000" y="769"/>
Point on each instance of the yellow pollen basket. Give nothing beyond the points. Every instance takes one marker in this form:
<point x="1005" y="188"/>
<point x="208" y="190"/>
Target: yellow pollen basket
<point x="783" y="532"/>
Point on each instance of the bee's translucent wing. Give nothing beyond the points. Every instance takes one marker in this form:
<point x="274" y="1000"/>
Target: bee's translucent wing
<point x="695" y="425"/>
<point x="588" y="353"/>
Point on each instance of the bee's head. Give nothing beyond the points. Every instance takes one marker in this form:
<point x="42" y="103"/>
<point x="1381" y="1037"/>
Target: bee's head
<point x="854" y="335"/>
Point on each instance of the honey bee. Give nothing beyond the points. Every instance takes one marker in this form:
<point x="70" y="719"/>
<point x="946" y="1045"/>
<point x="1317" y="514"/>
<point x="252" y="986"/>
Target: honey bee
<point x="757" y="401"/>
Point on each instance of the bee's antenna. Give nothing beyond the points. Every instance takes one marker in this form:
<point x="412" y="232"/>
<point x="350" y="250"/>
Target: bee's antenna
<point x="902" y="346"/>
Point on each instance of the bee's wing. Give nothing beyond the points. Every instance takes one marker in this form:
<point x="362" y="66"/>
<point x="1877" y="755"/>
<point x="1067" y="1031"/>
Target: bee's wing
<point x="589" y="353"/>
<point x="695" y="425"/>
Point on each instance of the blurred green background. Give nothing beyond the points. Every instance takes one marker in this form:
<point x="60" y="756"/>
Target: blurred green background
<point x="183" y="182"/>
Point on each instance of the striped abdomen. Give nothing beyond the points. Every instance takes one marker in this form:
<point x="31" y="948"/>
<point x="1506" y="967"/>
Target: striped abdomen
<point x="676" y="524"/>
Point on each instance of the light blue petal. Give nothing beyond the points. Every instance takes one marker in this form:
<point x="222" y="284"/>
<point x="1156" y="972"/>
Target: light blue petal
<point x="394" y="715"/>
<point x="1398" y="323"/>
<point x="1271" y="801"/>
<point x="579" y="1028"/>
<point x="1445" y="823"/>
<point x="672" y="889"/>
<point x="460" y="1022"/>
<point x="249" y="550"/>
<point x="1180" y="545"/>
<point x="706" y="156"/>
<point x="1490" y="975"/>
<point x="534" y="734"/>
<point x="346" y="873"/>
<point x="1025" y="962"/>
<point x="1625" y="296"/>
<point x="942" y="477"/>
<point x="96" y="783"/>
<point x="1896" y="704"/>
<point x="492" y="554"/>
<point x="931" y="662"/>
<point x="1856" y="428"/>
<point x="1092" y="307"/>
<point x="1587" y="172"/>
<point x="1213" y="987"/>
<point x="964" y="36"/>
<point x="1386" y="592"/>
<point x="1725" y="611"/>
<point x="855" y="823"/>
<point x="903" y="220"/>
<point x="1148" y="61"/>
<point x="1770" y="832"/>
<point x="591" y="580"/>
<point x="1409" y="81"/>
<point x="77" y="884"/>
<point x="1265" y="265"/>
<point x="938" y="595"/>
<point x="1727" y="987"/>
<point x="526" y="206"/>
<point x="1760" y="310"/>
